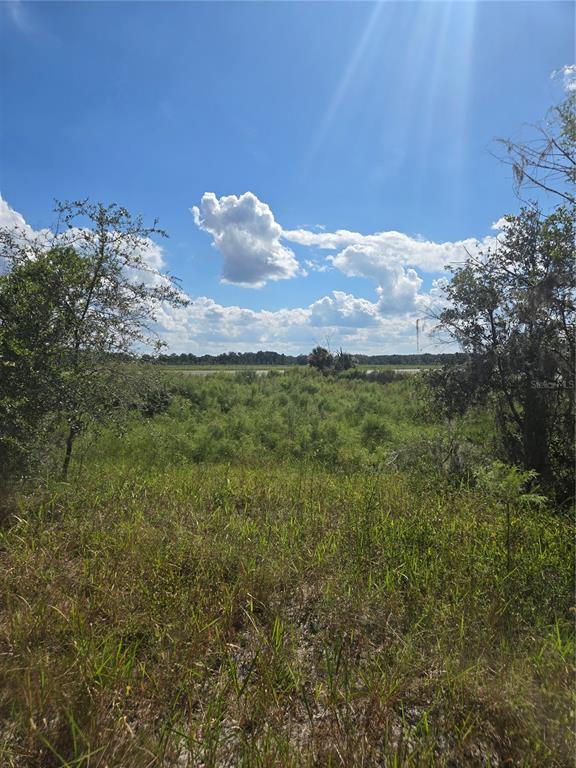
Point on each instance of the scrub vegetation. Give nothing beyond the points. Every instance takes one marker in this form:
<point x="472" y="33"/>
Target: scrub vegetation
<point x="288" y="570"/>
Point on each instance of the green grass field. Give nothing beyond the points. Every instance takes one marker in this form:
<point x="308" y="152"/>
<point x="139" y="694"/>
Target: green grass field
<point x="285" y="571"/>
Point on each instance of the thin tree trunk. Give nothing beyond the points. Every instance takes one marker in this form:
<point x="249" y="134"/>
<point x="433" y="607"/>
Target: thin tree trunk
<point x="508" y="543"/>
<point x="68" y="454"/>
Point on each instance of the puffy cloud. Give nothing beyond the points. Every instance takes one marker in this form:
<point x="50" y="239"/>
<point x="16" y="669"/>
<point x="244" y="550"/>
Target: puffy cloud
<point x="386" y="324"/>
<point x="343" y="310"/>
<point x="21" y="232"/>
<point x="11" y="219"/>
<point x="389" y="258"/>
<point x="206" y="326"/>
<point x="397" y="287"/>
<point x="246" y="234"/>
<point x="326" y="240"/>
<point x="499" y="225"/>
<point x="429" y="304"/>
<point x="340" y="319"/>
<point x="568" y="75"/>
<point x="151" y="256"/>
<point x="392" y="247"/>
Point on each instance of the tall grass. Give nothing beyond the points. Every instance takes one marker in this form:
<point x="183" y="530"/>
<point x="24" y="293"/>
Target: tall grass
<point x="168" y="608"/>
<point x="343" y="424"/>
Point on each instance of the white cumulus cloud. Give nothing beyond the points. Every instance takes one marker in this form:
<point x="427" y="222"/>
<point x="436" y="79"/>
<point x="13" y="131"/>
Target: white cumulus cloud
<point x="343" y="310"/>
<point x="250" y="239"/>
<point x="11" y="219"/>
<point x="246" y="234"/>
<point x="339" y="319"/>
<point x="384" y="324"/>
<point x="499" y="225"/>
<point x="398" y="287"/>
<point x="568" y="76"/>
<point x="390" y="259"/>
<point x="392" y="247"/>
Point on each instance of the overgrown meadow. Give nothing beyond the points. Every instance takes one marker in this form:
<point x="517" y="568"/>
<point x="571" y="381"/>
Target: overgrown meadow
<point x="291" y="570"/>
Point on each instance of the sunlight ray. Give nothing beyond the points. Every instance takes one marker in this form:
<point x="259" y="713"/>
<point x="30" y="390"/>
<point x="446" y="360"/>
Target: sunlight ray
<point x="347" y="77"/>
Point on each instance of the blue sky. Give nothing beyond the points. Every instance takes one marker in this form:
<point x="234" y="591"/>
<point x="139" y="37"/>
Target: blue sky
<point x="284" y="124"/>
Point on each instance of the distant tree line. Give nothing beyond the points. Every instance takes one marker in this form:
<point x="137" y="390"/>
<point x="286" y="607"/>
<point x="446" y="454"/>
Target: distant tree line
<point x="444" y="358"/>
<point x="231" y="358"/>
<point x="277" y="358"/>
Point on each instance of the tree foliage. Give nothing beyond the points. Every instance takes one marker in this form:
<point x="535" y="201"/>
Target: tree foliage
<point x="321" y="359"/>
<point x="278" y="358"/>
<point x="513" y="311"/>
<point x="343" y="361"/>
<point x="74" y="304"/>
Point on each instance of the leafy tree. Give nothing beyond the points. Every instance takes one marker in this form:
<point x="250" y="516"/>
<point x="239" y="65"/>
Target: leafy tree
<point x="321" y="359"/>
<point x="512" y="309"/>
<point x="73" y="307"/>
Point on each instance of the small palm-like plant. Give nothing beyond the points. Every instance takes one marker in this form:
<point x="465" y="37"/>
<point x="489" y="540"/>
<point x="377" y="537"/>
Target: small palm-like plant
<point x="509" y="487"/>
<point x="320" y="358"/>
